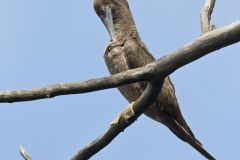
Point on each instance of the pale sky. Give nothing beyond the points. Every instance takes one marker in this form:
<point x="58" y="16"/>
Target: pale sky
<point x="50" y="41"/>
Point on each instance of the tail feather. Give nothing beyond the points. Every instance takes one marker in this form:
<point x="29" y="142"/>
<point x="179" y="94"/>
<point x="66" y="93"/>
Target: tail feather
<point x="183" y="134"/>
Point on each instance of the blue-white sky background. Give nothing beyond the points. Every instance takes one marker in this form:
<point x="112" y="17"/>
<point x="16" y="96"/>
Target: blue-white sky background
<point x="49" y="41"/>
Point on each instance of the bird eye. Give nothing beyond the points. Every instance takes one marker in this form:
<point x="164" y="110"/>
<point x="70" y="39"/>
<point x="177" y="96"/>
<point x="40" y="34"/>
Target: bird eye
<point x="102" y="11"/>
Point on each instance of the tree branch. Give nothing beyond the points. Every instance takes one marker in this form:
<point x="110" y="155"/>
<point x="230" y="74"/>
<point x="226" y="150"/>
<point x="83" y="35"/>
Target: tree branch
<point x="126" y="118"/>
<point x="203" y="45"/>
<point x="24" y="153"/>
<point x="206" y="15"/>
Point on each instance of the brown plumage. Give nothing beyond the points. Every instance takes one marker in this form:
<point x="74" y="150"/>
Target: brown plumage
<point x="127" y="51"/>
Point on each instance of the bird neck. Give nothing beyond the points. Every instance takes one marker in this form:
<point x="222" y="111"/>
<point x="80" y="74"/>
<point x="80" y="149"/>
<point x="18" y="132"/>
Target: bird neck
<point x="126" y="31"/>
<point x="124" y="25"/>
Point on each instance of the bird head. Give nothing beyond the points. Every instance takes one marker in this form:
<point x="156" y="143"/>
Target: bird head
<point x="116" y="16"/>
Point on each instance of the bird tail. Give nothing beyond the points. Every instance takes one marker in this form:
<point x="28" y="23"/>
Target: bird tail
<point x="182" y="133"/>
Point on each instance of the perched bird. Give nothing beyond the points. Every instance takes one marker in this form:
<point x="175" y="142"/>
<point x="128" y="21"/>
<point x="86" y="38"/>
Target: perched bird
<point x="126" y="51"/>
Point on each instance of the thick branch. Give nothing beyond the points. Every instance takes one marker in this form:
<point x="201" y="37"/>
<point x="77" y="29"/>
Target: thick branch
<point x="206" y="15"/>
<point x="205" y="44"/>
<point x="127" y="117"/>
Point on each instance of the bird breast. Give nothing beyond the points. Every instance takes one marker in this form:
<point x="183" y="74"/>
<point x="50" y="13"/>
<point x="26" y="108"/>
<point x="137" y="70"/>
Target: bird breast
<point x="116" y="63"/>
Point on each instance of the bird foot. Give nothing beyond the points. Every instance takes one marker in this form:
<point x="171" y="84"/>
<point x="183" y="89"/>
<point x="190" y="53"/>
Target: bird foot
<point x="126" y="114"/>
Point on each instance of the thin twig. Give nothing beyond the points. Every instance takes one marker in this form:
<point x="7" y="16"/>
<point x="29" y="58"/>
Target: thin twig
<point x="24" y="153"/>
<point x="127" y="117"/>
<point x="206" y="15"/>
<point x="203" y="45"/>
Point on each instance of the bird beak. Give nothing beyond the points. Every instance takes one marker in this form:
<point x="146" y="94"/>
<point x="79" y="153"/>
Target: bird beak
<point x="108" y="22"/>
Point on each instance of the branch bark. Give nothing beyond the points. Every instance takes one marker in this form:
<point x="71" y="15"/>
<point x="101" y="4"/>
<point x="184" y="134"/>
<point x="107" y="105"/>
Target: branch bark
<point x="126" y="118"/>
<point x="206" y="15"/>
<point x="203" y="45"/>
<point x="24" y="153"/>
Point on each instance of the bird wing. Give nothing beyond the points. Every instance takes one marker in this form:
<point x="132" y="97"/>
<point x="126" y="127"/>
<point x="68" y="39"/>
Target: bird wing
<point x="137" y="55"/>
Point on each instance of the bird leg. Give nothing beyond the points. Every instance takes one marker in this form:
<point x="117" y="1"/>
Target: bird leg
<point x="126" y="114"/>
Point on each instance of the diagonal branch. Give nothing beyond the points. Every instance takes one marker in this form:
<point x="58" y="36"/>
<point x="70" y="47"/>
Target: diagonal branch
<point x="203" y="45"/>
<point x="127" y="117"/>
<point x="206" y="15"/>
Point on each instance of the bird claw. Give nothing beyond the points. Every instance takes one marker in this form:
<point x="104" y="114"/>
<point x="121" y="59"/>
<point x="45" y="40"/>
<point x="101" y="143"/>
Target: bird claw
<point x="126" y="114"/>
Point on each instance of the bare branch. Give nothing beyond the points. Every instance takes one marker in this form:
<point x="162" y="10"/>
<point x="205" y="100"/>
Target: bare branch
<point x="206" y="15"/>
<point x="127" y="117"/>
<point x="24" y="153"/>
<point x="203" y="45"/>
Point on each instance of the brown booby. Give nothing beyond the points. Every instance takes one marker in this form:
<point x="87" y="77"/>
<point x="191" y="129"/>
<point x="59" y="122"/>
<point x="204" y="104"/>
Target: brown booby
<point x="126" y="51"/>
